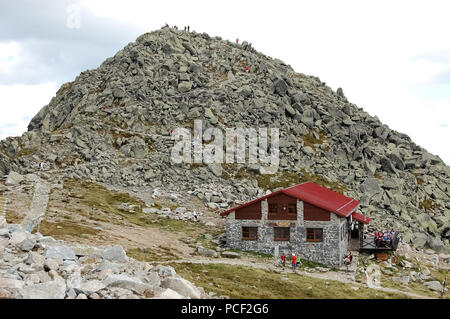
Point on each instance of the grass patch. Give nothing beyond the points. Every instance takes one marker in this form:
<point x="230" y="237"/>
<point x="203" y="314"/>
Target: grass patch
<point x="205" y="242"/>
<point x="159" y="253"/>
<point x="27" y="152"/>
<point x="97" y="203"/>
<point x="314" y="138"/>
<point x="281" y="179"/>
<point x="250" y="253"/>
<point x="67" y="228"/>
<point x="427" y="205"/>
<point x="416" y="286"/>
<point x="322" y="181"/>
<point x="240" y="282"/>
<point x="13" y="217"/>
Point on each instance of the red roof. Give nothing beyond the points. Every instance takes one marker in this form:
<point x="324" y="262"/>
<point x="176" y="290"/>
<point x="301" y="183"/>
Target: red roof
<point x="316" y="195"/>
<point x="361" y="218"/>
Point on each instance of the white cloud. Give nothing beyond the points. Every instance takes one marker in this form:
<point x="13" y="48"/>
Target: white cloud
<point x="19" y="103"/>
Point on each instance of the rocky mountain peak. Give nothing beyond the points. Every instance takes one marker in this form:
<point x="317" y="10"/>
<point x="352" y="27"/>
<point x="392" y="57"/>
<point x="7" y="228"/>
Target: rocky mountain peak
<point x="112" y="125"/>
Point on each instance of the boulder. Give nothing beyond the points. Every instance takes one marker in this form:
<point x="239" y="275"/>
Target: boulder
<point x="230" y="254"/>
<point x="386" y="165"/>
<point x="181" y="286"/>
<point x="370" y="186"/>
<point x="126" y="282"/>
<point x="433" y="285"/>
<point x="206" y="252"/>
<point x="47" y="290"/>
<point x="437" y="245"/>
<point x="18" y="236"/>
<point x="63" y="251"/>
<point x="185" y="86"/>
<point x="280" y="86"/>
<point x="9" y="283"/>
<point x="165" y="271"/>
<point x="13" y="179"/>
<point x="27" y="244"/>
<point x="169" y="294"/>
<point x="92" y="286"/>
<point x="115" y="254"/>
<point x="4" y="232"/>
<point x="51" y="264"/>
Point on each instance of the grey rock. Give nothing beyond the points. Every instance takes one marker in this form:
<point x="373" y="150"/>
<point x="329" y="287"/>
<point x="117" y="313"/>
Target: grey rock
<point x="165" y="271"/>
<point x="206" y="252"/>
<point x="13" y="179"/>
<point x="433" y="285"/>
<point x="126" y="282"/>
<point x="230" y="254"/>
<point x="63" y="251"/>
<point x="115" y="254"/>
<point x="181" y="286"/>
<point x="27" y="244"/>
<point x="281" y="87"/>
<point x="47" y="290"/>
<point x="185" y="86"/>
<point x="92" y="286"/>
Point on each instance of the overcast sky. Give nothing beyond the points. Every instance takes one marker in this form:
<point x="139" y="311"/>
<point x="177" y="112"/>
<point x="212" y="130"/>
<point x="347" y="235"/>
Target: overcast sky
<point x="392" y="58"/>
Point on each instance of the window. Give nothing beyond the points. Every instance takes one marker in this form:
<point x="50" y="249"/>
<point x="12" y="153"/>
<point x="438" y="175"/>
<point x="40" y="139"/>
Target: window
<point x="281" y="233"/>
<point x="249" y="233"/>
<point x="314" y="234"/>
<point x="292" y="208"/>
<point x="273" y="208"/>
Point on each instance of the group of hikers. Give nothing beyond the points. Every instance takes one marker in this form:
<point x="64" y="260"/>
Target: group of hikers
<point x="295" y="261"/>
<point x="186" y="28"/>
<point x="383" y="239"/>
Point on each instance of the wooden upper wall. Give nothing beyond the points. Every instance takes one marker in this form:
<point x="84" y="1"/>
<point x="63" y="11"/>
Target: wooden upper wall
<point x="252" y="211"/>
<point x="311" y="212"/>
<point x="283" y="202"/>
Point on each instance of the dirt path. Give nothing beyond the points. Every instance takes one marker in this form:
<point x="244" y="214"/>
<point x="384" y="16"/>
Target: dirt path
<point x="347" y="278"/>
<point x="38" y="205"/>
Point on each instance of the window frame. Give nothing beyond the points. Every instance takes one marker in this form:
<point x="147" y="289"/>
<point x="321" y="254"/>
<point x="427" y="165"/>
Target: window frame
<point x="273" y="205"/>
<point x="294" y="207"/>
<point x="315" y="233"/>
<point x="252" y="230"/>
<point x="278" y="231"/>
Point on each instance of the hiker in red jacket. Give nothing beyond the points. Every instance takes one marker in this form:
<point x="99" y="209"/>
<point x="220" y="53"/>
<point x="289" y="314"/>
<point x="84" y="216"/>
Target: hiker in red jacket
<point x="283" y="260"/>
<point x="247" y="69"/>
<point x="294" y="262"/>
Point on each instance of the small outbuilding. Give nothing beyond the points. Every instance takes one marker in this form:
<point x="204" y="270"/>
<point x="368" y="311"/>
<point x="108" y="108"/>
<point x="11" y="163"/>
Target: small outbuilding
<point x="307" y="219"/>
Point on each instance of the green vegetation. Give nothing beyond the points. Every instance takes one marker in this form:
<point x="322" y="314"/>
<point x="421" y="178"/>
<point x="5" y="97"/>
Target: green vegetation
<point x="427" y="205"/>
<point x="12" y="217"/>
<point x="160" y="253"/>
<point x="314" y="138"/>
<point x="376" y="175"/>
<point x="417" y="287"/>
<point x="27" y="152"/>
<point x="245" y="282"/>
<point x="398" y="271"/>
<point x="322" y="181"/>
<point x="248" y="253"/>
<point x="104" y="206"/>
<point x="66" y="228"/>
<point x="282" y="179"/>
